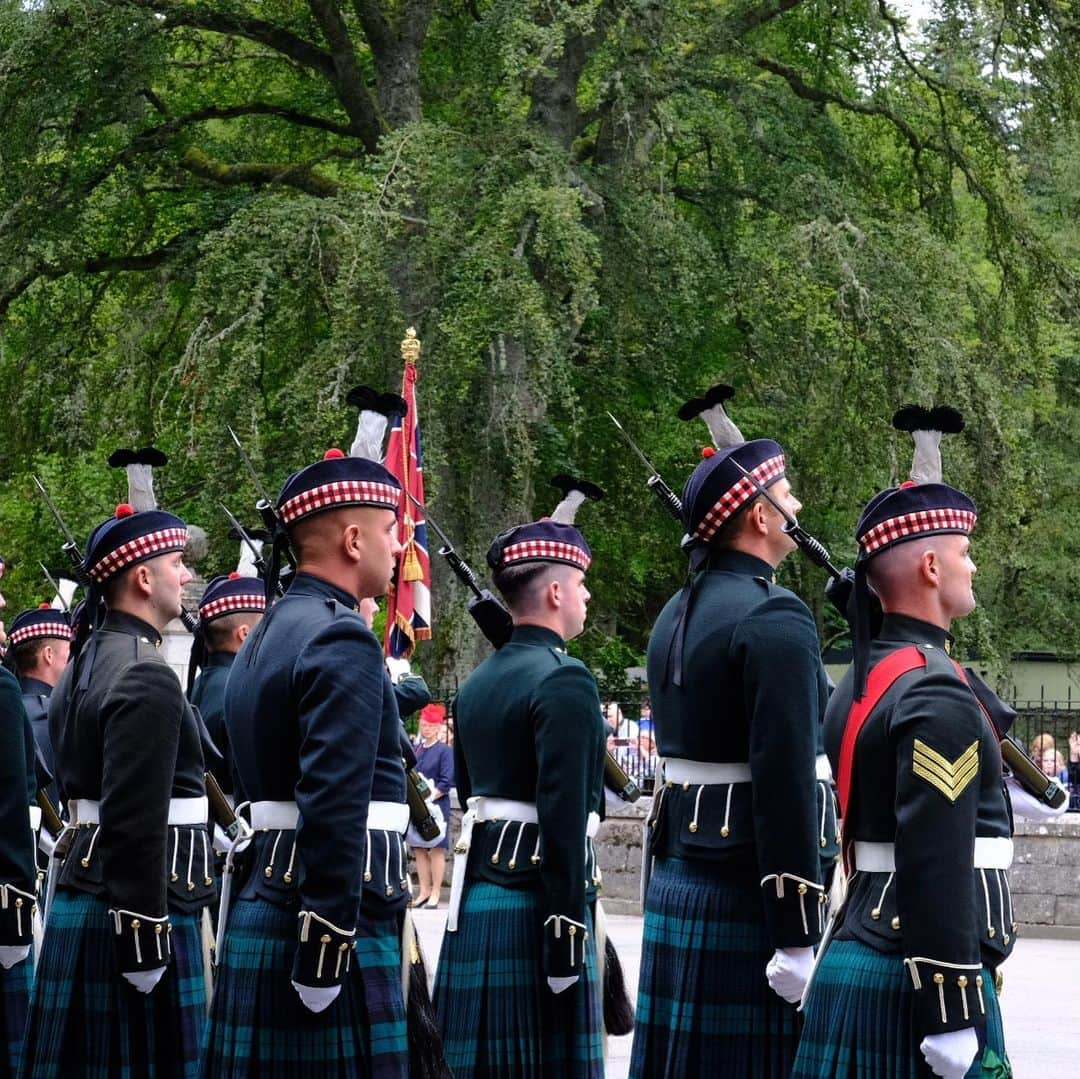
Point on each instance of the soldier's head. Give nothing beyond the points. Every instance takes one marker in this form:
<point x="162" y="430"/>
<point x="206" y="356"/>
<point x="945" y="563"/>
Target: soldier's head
<point x="40" y="643"/>
<point x="136" y="563"/>
<point x="914" y="548"/>
<point x="539" y="569"/>
<point x="723" y="509"/>
<point x="341" y="516"/>
<point x="229" y="610"/>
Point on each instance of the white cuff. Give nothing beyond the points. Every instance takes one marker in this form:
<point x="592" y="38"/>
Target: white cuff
<point x="317" y="998"/>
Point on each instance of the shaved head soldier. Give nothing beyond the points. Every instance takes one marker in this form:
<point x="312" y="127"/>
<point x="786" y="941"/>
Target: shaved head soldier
<point x="121" y="986"/>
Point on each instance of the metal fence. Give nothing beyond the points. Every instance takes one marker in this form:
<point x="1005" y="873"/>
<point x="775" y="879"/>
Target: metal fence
<point x="1048" y="730"/>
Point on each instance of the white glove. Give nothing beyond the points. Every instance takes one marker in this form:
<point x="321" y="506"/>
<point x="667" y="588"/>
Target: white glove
<point x="788" y="972"/>
<point x="317" y="998"/>
<point x="557" y="985"/>
<point x="144" y="980"/>
<point x="398" y="669"/>
<point x="1027" y="807"/>
<point x="46" y="842"/>
<point x="10" y="954"/>
<point x="950" y="1055"/>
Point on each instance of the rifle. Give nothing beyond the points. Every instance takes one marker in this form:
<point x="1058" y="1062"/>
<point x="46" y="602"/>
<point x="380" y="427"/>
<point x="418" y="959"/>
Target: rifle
<point x="75" y="556"/>
<point x="496" y="624"/>
<point x="265" y="506"/>
<point x="55" y="587"/>
<point x="490" y="615"/>
<point x="256" y="555"/>
<point x="668" y="498"/>
<point x="813" y="548"/>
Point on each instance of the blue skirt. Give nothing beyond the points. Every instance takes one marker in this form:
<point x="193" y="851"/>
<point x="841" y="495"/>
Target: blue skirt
<point x="859" y="1021"/>
<point x="499" y="1019"/>
<point x="260" y="1029"/>
<point x="704" y="1006"/>
<point x="87" y="1021"/>
<point x="14" y="1005"/>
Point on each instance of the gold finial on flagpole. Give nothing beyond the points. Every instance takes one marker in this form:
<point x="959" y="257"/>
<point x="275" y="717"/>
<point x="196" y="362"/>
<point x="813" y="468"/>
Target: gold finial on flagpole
<point x="410" y="347"/>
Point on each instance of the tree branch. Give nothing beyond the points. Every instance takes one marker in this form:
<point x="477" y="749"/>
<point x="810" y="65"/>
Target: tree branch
<point x="801" y="88"/>
<point x="102" y="263"/>
<point x="349" y="83"/>
<point x="258" y="174"/>
<point x="202" y="17"/>
<point x="752" y="18"/>
<point x="254" y="108"/>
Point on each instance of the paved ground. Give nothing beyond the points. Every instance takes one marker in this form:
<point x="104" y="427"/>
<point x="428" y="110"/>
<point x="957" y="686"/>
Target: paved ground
<point x="1041" y="999"/>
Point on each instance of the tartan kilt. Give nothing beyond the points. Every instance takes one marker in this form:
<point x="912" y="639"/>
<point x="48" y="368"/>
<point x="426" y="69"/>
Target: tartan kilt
<point x="86" y="1021"/>
<point x="499" y="1019"/>
<point x="859" y="1021"/>
<point x="260" y="1029"/>
<point x="14" y="1004"/>
<point x="703" y="1001"/>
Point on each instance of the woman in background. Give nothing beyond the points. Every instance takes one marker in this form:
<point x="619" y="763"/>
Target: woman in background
<point x="435" y="761"/>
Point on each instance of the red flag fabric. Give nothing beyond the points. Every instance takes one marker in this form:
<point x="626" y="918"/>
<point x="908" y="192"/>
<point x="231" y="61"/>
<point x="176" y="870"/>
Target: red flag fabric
<point x="408" y="612"/>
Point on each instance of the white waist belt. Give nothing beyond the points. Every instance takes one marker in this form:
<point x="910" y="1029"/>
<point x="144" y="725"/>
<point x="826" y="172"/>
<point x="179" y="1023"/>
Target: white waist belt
<point x="182" y="811"/>
<point x="991" y="852"/>
<point x="35" y="818"/>
<point x="481" y="808"/>
<point x="704" y="773"/>
<point x="822" y="768"/>
<point x="283" y="816"/>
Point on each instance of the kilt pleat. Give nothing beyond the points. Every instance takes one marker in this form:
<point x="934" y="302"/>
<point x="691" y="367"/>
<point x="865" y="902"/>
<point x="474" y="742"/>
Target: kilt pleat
<point x="859" y="1021"/>
<point x="85" y="1020"/>
<point x="704" y="1006"/>
<point x="14" y="1004"/>
<point x="498" y="1018"/>
<point x="260" y="1028"/>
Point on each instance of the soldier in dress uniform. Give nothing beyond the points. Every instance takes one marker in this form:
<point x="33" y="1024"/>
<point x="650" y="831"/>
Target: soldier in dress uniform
<point x="229" y="609"/>
<point x="516" y="989"/>
<point x="18" y="873"/>
<point x="40" y="646"/>
<point x="735" y="904"/>
<point x="906" y="984"/>
<point x="310" y="968"/>
<point x="121" y="983"/>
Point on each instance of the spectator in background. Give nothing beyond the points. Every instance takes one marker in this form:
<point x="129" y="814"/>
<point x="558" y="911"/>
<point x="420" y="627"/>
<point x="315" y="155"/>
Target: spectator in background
<point x="645" y="721"/>
<point x="1039" y="744"/>
<point x="1052" y="764"/>
<point x="434" y="761"/>
<point x="1074" y="772"/>
<point x="646" y="756"/>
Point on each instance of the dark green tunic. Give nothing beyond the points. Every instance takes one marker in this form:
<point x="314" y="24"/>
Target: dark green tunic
<point x="529" y="728"/>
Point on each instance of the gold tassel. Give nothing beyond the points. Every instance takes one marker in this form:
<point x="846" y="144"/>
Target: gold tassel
<point x="411" y="570"/>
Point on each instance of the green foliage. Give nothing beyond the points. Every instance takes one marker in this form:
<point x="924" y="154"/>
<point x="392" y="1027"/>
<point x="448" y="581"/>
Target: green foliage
<point x="583" y="205"/>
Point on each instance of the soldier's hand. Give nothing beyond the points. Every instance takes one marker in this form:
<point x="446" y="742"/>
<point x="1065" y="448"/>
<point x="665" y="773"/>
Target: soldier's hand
<point x="557" y="985"/>
<point x="1027" y="807"/>
<point x="317" y="998"/>
<point x="788" y="972"/>
<point x="143" y="980"/>
<point x="10" y="954"/>
<point x="950" y="1055"/>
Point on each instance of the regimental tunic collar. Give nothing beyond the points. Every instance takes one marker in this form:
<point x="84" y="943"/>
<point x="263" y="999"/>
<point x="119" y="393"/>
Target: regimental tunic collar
<point x="307" y="584"/>
<point x="732" y="561"/>
<point x="35" y="686"/>
<point x="133" y="626"/>
<point x="902" y="627"/>
<point x="539" y="636"/>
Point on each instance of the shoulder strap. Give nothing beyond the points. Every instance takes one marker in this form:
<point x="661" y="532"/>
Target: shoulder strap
<point x="878" y="683"/>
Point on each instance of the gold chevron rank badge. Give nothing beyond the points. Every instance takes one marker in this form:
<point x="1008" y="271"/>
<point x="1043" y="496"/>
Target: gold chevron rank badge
<point x="949" y="777"/>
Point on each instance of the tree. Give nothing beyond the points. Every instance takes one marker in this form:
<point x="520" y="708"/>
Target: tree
<point x="216" y="211"/>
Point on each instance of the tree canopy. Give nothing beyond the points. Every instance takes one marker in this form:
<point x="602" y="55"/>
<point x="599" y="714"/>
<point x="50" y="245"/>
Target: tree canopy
<point x="223" y="212"/>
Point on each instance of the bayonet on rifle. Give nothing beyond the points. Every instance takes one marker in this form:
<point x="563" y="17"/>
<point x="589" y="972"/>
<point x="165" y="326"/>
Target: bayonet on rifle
<point x="668" y="498"/>
<point x="813" y="548"/>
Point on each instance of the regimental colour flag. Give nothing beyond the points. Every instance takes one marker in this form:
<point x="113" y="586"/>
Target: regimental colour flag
<point x="408" y="612"/>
